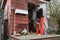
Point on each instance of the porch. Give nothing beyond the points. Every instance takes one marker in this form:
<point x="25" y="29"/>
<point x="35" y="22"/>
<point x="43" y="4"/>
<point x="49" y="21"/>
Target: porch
<point x="35" y="37"/>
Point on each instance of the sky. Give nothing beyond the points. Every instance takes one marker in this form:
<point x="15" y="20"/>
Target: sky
<point x="59" y="0"/>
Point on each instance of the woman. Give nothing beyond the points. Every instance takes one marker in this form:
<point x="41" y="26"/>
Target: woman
<point x="40" y="29"/>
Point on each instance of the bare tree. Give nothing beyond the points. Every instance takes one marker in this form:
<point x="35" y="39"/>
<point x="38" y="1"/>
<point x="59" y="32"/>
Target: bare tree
<point x="54" y="11"/>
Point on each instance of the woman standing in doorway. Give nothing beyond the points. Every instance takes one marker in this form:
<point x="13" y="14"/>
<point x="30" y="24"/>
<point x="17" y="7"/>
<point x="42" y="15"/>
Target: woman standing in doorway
<point x="40" y="19"/>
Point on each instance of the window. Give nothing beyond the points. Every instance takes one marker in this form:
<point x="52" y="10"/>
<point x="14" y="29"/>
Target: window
<point x="20" y="11"/>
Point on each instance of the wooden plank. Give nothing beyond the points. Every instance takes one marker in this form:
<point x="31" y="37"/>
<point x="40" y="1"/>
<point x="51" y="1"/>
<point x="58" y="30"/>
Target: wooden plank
<point x="34" y="36"/>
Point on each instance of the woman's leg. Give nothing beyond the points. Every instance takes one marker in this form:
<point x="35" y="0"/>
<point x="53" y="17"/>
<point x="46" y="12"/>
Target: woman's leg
<point x="37" y="28"/>
<point x="41" y="29"/>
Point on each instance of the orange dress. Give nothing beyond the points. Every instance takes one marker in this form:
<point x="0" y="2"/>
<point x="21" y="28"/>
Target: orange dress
<point x="42" y="25"/>
<point x="37" y="26"/>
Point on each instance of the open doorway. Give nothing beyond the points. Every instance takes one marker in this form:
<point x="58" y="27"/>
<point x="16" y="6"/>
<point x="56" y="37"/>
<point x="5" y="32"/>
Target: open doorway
<point x="31" y="12"/>
<point x="31" y="7"/>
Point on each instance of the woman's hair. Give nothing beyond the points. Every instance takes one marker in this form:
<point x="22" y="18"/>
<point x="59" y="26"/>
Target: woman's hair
<point x="37" y="6"/>
<point x="41" y="12"/>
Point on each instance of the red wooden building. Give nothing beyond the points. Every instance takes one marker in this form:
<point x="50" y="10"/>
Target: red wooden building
<point x="16" y="13"/>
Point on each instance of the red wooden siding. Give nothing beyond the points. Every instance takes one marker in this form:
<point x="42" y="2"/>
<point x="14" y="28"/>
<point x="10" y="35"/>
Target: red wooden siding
<point x="21" y="4"/>
<point x="19" y="20"/>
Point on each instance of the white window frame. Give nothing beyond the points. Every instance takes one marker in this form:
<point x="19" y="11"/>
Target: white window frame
<point x="21" y="11"/>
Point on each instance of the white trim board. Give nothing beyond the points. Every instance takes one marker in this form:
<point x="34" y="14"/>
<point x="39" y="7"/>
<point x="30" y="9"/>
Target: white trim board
<point x="21" y="11"/>
<point x="44" y="1"/>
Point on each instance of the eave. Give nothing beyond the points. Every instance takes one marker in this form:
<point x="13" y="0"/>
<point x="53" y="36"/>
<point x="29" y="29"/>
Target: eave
<point x="43" y="1"/>
<point x="39" y="1"/>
